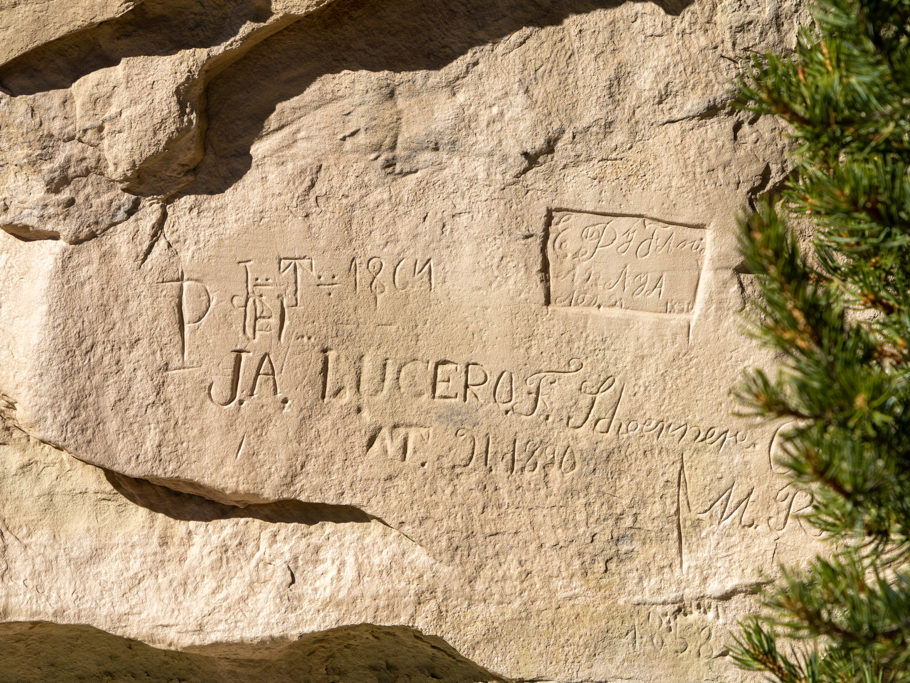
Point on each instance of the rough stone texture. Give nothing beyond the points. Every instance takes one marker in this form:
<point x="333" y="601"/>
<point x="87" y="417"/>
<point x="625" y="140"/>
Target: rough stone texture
<point x="76" y="543"/>
<point x="50" y="652"/>
<point x="402" y="313"/>
<point x="30" y="24"/>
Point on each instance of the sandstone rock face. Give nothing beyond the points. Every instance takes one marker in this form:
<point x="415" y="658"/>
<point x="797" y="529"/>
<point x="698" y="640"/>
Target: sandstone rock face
<point x="410" y="314"/>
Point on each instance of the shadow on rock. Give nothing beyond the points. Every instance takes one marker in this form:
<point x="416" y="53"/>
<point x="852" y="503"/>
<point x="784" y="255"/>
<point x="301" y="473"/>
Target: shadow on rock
<point x="356" y="35"/>
<point x="188" y="507"/>
<point x="40" y="651"/>
<point x="156" y="27"/>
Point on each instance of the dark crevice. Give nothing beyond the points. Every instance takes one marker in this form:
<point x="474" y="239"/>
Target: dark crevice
<point x="533" y="158"/>
<point x="189" y="507"/>
<point x="742" y="269"/>
<point x="157" y="234"/>
<point x="760" y="187"/>
<point x="155" y="27"/>
<point x="767" y="188"/>
<point x="545" y="259"/>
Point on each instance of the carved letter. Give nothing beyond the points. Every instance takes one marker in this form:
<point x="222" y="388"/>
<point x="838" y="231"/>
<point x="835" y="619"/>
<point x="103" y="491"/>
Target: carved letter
<point x="442" y="383"/>
<point x="399" y="442"/>
<point x="295" y="287"/>
<point x="411" y="435"/>
<point x="332" y="387"/>
<point x="400" y="286"/>
<point x="497" y="395"/>
<point x="265" y="369"/>
<point x="463" y="433"/>
<point x="427" y="268"/>
<point x="193" y="303"/>
<point x="235" y="379"/>
<point x="468" y="384"/>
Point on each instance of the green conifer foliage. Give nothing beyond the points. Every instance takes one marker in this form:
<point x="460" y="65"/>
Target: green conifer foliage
<point x="839" y="320"/>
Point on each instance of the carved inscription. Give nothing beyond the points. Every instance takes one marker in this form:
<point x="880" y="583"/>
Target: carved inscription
<point x="688" y="628"/>
<point x="273" y="288"/>
<point x="681" y="432"/>
<point x="466" y="450"/>
<point x="565" y="396"/>
<point x="251" y="335"/>
<point x="603" y="262"/>
<point x="749" y="507"/>
<point x="267" y="296"/>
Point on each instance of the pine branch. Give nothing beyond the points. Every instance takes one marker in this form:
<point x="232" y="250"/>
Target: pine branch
<point x="840" y="327"/>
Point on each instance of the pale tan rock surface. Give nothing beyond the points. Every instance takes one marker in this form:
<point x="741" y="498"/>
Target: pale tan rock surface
<point x="179" y="570"/>
<point x="28" y="24"/>
<point x="444" y="293"/>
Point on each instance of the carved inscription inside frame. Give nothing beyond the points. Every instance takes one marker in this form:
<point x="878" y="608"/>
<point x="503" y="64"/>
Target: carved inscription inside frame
<point x="603" y="261"/>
